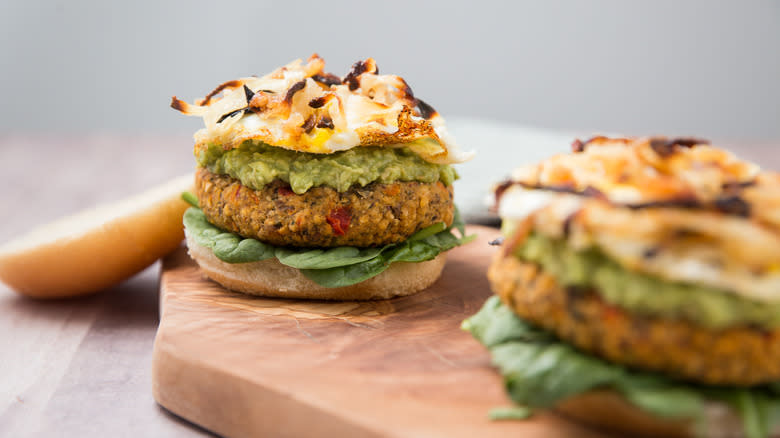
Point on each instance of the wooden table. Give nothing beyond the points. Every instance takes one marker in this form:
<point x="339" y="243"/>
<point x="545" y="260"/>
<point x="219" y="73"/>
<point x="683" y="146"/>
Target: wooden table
<point x="82" y="367"/>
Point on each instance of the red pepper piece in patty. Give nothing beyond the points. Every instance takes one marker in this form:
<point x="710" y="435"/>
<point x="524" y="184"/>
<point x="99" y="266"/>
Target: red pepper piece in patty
<point x="285" y="191"/>
<point x="339" y="219"/>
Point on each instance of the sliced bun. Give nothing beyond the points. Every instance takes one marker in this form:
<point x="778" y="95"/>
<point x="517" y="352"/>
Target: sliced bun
<point x="96" y="248"/>
<point x="272" y="279"/>
<point x="609" y="410"/>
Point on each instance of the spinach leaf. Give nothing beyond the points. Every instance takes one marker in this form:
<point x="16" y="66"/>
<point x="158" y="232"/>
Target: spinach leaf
<point x="407" y="251"/>
<point x="428" y="231"/>
<point x="333" y="267"/>
<point x="228" y="247"/>
<point x="458" y="223"/>
<point x="191" y="199"/>
<point x="347" y="275"/>
<point x="510" y="413"/>
<point x="325" y="258"/>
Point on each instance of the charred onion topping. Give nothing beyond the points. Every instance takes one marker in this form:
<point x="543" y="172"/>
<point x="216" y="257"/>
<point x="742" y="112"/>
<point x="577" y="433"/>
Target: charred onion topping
<point x="312" y="122"/>
<point x="426" y="111"/>
<point x="578" y="145"/>
<point x="229" y="84"/>
<point x="358" y="68"/>
<point x="288" y="106"/>
<point x="646" y="173"/>
<point x="593" y="192"/>
<point x="328" y="79"/>
<point x="732" y="205"/>
<point x="736" y="187"/>
<point x="665" y="148"/>
<point x="319" y="102"/>
<point x="249" y="94"/>
<point x="230" y="114"/>
<point x="407" y="90"/>
<point x="662" y="146"/>
<point x="325" y="122"/>
<point x="178" y="105"/>
<point x="308" y="125"/>
<point x="298" y="86"/>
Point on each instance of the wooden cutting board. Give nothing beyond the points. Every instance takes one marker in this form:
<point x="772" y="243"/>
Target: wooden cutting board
<point x="244" y="366"/>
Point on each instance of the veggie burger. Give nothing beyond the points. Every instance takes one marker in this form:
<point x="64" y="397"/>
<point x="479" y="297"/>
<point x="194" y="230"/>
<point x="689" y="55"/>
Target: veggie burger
<point x="310" y="185"/>
<point x="638" y="288"/>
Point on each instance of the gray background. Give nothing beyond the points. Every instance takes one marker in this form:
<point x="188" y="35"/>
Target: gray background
<point x="710" y="68"/>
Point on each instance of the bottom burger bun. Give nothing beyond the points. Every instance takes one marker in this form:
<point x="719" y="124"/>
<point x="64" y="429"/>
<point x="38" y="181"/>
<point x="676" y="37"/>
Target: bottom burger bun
<point x="272" y="279"/>
<point x="610" y="411"/>
<point x="96" y="248"/>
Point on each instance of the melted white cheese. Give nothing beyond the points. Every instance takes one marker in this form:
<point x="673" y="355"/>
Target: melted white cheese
<point x="700" y="262"/>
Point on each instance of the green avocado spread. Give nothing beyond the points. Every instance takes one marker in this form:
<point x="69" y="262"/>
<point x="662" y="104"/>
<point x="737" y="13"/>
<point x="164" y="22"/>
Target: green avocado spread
<point x="256" y="164"/>
<point x="642" y="293"/>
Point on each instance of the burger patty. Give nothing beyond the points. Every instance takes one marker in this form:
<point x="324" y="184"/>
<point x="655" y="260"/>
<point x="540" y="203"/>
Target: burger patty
<point x="740" y="356"/>
<point x="374" y="215"/>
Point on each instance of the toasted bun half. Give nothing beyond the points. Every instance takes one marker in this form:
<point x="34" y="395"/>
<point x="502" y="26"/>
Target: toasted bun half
<point x="609" y="410"/>
<point x="272" y="279"/>
<point x="605" y="409"/>
<point x="96" y="248"/>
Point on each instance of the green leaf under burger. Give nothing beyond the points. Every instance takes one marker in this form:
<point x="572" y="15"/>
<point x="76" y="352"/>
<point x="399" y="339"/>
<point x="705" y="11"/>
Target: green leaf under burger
<point x="228" y="247"/>
<point x="325" y="258"/>
<point x="331" y="267"/>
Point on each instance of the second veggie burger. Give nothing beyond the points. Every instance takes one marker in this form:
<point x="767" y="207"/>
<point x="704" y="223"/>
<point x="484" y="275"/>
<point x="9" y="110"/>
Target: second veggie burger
<point x="315" y="186"/>
<point x="639" y="288"/>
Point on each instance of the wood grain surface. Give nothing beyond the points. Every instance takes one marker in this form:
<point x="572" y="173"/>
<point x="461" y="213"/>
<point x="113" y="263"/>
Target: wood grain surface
<point x="83" y="367"/>
<point x="248" y="366"/>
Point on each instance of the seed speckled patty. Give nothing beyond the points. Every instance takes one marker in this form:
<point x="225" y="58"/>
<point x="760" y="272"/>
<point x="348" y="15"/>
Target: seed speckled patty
<point x="374" y="215"/>
<point x="738" y="356"/>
